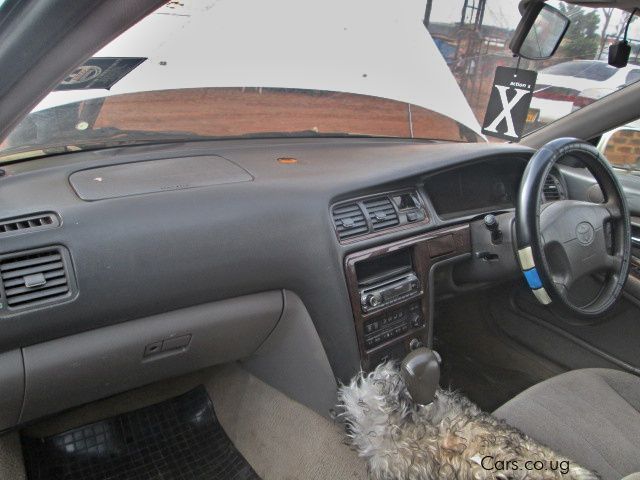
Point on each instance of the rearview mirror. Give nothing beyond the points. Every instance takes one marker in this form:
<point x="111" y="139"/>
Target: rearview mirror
<point x="539" y="32"/>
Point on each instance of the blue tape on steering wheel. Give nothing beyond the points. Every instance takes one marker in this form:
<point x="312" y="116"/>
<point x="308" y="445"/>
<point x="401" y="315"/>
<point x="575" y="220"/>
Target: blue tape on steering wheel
<point x="533" y="279"/>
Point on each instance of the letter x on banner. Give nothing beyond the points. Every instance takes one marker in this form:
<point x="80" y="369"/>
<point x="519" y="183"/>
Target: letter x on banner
<point x="509" y="103"/>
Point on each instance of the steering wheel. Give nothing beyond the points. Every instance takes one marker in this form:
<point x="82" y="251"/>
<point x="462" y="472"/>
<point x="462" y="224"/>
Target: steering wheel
<point x="563" y="241"/>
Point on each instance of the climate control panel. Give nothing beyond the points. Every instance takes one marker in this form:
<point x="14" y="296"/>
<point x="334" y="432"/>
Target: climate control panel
<point x="392" y="324"/>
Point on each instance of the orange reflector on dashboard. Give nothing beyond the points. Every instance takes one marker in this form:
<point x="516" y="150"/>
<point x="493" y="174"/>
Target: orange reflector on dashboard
<point x="287" y="160"/>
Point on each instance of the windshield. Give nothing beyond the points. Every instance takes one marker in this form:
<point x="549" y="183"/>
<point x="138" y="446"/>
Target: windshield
<point x="212" y="69"/>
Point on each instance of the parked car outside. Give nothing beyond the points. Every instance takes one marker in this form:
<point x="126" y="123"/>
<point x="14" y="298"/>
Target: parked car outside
<point x="567" y="86"/>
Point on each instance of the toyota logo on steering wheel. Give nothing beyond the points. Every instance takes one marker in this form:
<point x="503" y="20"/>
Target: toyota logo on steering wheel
<point x="585" y="233"/>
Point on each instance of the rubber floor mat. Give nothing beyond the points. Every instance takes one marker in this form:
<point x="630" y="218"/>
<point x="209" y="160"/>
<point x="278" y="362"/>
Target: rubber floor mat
<point x="178" y="439"/>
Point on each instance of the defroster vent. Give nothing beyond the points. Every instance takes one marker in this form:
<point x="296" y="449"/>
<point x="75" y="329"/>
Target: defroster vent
<point x="29" y="222"/>
<point x="35" y="277"/>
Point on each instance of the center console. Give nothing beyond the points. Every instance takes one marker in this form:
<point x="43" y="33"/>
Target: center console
<point x="390" y="291"/>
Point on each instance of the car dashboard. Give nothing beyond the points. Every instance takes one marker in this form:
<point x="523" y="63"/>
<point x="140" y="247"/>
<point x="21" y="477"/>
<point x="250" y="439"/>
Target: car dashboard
<point x="161" y="259"/>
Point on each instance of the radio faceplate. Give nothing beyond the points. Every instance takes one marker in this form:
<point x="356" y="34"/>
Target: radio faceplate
<point x="389" y="292"/>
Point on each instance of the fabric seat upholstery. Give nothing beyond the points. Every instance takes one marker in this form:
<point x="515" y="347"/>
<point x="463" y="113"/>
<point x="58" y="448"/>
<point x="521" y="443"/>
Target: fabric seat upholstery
<point x="591" y="416"/>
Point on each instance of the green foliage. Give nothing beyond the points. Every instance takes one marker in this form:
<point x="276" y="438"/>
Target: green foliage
<point x="582" y="39"/>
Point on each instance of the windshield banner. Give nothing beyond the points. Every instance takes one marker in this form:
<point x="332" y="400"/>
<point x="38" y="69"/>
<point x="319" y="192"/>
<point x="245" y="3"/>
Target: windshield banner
<point x="509" y="103"/>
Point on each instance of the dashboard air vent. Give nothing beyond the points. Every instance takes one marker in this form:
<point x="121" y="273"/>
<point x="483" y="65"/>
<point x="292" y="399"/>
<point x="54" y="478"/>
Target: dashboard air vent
<point x="381" y="213"/>
<point x="34" y="277"/>
<point x="349" y="220"/>
<point x="551" y="190"/>
<point x="30" y="222"/>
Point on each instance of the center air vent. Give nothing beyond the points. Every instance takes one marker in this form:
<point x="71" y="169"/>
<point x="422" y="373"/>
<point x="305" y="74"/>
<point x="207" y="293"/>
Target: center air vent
<point x="381" y="212"/>
<point x="349" y="220"/>
<point x="35" y="277"/>
<point x="369" y="215"/>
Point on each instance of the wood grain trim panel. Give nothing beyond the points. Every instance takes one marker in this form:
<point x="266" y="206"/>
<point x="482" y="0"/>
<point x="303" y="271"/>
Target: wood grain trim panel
<point x="425" y="249"/>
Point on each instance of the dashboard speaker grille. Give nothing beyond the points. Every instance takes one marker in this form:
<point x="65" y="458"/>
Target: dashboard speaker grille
<point x="34" y="277"/>
<point x="349" y="220"/>
<point x="381" y="213"/>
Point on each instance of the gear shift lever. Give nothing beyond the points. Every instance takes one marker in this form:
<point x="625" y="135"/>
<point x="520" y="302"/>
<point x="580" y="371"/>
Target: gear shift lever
<point x="421" y="372"/>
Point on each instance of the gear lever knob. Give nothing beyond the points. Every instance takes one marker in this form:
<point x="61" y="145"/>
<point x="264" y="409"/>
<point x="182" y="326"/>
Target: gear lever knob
<point x="421" y="372"/>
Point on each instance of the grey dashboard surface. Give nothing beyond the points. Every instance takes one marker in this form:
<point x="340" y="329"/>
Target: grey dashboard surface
<point x="142" y="255"/>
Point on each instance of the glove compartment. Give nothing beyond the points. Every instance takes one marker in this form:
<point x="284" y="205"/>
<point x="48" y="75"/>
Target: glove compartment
<point x="81" y="368"/>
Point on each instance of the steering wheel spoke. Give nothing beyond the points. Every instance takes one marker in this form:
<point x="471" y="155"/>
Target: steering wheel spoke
<point x="565" y="279"/>
<point x="613" y="210"/>
<point x="612" y="264"/>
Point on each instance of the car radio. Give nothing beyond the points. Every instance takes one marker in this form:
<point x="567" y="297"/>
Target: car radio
<point x="389" y="292"/>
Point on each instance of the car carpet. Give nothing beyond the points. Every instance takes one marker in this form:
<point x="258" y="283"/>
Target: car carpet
<point x="176" y="439"/>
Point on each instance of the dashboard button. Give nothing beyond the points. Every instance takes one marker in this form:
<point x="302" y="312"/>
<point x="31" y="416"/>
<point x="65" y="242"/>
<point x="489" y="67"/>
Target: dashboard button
<point x="415" y="216"/>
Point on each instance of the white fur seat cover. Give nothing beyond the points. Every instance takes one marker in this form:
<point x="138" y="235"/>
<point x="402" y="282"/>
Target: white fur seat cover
<point x="449" y="439"/>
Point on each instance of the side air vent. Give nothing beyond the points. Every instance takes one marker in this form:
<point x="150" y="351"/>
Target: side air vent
<point x="349" y="220"/>
<point x="381" y="213"/>
<point x="30" y="222"/>
<point x="35" y="277"/>
<point x="552" y="189"/>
